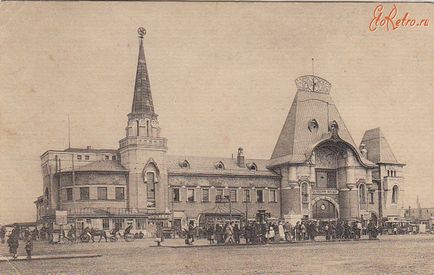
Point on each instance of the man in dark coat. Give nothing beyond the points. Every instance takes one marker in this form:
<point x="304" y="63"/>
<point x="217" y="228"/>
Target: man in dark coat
<point x="237" y="234"/>
<point x="13" y="243"/>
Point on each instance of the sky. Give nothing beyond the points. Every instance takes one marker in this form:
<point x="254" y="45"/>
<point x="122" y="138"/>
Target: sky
<point x="222" y="76"/>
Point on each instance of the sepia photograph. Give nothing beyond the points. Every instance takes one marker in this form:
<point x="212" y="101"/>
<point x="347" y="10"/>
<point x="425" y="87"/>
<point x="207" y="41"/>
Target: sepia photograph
<point x="238" y="137"/>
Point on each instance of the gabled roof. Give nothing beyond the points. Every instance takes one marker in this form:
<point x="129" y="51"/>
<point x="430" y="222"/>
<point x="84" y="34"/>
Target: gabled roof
<point x="100" y="166"/>
<point x="312" y="106"/>
<point x="379" y="150"/>
<point x="207" y="165"/>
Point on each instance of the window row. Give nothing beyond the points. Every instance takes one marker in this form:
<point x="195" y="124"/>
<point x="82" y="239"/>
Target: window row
<point x="391" y="173"/>
<point x="87" y="157"/>
<point x="101" y="192"/>
<point x="220" y="165"/>
<point x="224" y="195"/>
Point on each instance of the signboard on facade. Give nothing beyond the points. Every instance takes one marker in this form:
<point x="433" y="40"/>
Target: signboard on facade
<point x="324" y="192"/>
<point x="61" y="217"/>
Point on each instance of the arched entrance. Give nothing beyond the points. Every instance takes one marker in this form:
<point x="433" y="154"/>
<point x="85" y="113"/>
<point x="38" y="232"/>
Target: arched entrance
<point x="323" y="209"/>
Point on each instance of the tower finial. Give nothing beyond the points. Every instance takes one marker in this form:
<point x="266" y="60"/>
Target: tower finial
<point x="141" y="31"/>
<point x="313" y="66"/>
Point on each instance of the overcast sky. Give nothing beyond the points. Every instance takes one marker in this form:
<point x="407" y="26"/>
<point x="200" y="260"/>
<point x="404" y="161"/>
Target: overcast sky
<point x="222" y="76"/>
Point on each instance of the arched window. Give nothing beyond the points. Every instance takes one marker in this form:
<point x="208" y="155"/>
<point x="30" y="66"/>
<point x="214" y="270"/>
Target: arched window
<point x="219" y="165"/>
<point x="395" y="191"/>
<point x="184" y="164"/>
<point x="147" y="128"/>
<point x="137" y="128"/>
<point x="150" y="176"/>
<point x="362" y="193"/>
<point x="252" y="166"/>
<point x="304" y="194"/>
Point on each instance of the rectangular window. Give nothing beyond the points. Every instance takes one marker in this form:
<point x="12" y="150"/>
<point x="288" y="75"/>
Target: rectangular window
<point x="246" y="195"/>
<point x="107" y="157"/>
<point x="325" y="178"/>
<point x="102" y="193"/>
<point x="260" y="195"/>
<point x="176" y="196"/>
<point x="233" y="195"/>
<point x="119" y="223"/>
<point x="140" y="224"/>
<point x="113" y="157"/>
<point x="88" y="221"/>
<point x="273" y="195"/>
<point x="69" y="194"/>
<point x="84" y="193"/>
<point x="120" y="193"/>
<point x="371" y="197"/>
<point x="190" y="195"/>
<point x="105" y="224"/>
<point x="219" y="195"/>
<point x="86" y="157"/>
<point x="205" y="195"/>
<point x="79" y="157"/>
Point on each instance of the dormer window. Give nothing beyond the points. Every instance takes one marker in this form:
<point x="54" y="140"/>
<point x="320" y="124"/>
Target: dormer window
<point x="333" y="126"/>
<point x="219" y="165"/>
<point x="313" y="125"/>
<point x="252" y="167"/>
<point x="184" y="164"/>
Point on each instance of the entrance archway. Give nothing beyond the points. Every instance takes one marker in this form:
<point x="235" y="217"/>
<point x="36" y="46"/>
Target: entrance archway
<point x="324" y="209"/>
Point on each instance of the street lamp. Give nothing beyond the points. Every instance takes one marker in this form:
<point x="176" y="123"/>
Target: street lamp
<point x="230" y="207"/>
<point x="171" y="190"/>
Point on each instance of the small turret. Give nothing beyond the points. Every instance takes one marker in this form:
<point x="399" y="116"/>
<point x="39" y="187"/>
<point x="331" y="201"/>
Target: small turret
<point x="240" y="157"/>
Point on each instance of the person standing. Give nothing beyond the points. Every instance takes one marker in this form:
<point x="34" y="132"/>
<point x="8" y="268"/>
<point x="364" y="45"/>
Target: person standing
<point x="29" y="247"/>
<point x="190" y="233"/>
<point x="327" y="231"/>
<point x="71" y="234"/>
<point x="247" y="233"/>
<point x="271" y="234"/>
<point x="229" y="233"/>
<point x="281" y="232"/>
<point x="2" y="233"/>
<point x="237" y="234"/>
<point x="159" y="235"/>
<point x="210" y="233"/>
<point x="13" y="243"/>
<point x="287" y="230"/>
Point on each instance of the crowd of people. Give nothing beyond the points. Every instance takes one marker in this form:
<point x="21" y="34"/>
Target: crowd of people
<point x="13" y="241"/>
<point x="255" y="232"/>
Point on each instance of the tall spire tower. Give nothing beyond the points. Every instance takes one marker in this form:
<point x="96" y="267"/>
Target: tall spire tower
<point x="142" y="100"/>
<point x="143" y="151"/>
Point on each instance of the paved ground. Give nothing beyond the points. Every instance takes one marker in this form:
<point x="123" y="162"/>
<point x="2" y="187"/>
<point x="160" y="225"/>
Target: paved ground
<point x="391" y="254"/>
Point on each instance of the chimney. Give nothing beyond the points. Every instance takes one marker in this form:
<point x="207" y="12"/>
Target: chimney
<point x="240" y="158"/>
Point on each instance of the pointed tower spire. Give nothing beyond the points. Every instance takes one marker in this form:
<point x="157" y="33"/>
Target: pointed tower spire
<point x="142" y="100"/>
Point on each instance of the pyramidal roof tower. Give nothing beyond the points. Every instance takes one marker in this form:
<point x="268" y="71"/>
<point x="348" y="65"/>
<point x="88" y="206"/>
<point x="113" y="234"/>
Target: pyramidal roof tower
<point x="378" y="149"/>
<point x="143" y="105"/>
<point x="312" y="119"/>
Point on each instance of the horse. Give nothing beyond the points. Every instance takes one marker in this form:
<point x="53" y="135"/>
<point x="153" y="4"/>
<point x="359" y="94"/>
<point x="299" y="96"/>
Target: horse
<point x="98" y="232"/>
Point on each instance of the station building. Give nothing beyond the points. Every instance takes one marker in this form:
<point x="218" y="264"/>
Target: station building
<point x="316" y="171"/>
